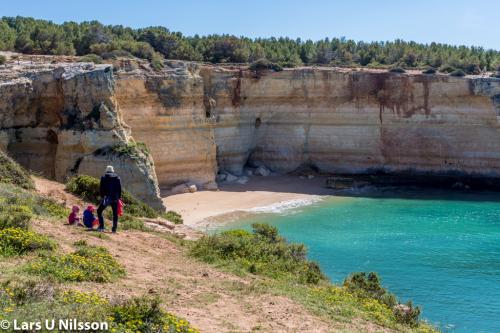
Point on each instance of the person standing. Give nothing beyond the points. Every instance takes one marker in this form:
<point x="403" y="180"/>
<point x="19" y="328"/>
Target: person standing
<point x="110" y="190"/>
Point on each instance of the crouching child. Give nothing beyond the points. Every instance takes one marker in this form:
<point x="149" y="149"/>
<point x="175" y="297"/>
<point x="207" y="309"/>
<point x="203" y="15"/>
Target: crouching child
<point x="73" y="218"/>
<point x="89" y="220"/>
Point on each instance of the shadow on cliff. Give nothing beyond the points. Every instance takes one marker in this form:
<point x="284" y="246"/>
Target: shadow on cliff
<point x="281" y="184"/>
<point x="317" y="186"/>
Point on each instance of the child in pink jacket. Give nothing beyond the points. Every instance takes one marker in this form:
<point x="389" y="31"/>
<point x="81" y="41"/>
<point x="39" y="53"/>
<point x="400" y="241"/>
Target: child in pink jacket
<point x="73" y="218"/>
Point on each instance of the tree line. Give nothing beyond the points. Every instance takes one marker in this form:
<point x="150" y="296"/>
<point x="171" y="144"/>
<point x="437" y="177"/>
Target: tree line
<point x="32" y="36"/>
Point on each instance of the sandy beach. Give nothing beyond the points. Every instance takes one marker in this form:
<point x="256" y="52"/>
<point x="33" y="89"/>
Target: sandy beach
<point x="261" y="194"/>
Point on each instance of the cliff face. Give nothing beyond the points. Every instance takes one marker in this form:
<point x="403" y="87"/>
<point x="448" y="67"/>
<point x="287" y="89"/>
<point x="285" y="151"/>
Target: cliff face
<point x="357" y="121"/>
<point x="167" y="113"/>
<point x="62" y="120"/>
<point x="199" y="118"/>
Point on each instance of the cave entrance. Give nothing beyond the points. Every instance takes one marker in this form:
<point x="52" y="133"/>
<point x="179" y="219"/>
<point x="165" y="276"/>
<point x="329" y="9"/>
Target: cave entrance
<point x="35" y="149"/>
<point x="258" y="122"/>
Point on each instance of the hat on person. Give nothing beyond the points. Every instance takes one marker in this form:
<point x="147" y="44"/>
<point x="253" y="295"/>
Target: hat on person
<point x="110" y="168"/>
<point x="75" y="209"/>
<point x="90" y="208"/>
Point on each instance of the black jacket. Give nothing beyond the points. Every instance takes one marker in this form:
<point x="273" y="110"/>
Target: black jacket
<point x="110" y="186"/>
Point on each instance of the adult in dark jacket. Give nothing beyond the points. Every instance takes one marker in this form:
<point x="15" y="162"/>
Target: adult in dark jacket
<point x="110" y="190"/>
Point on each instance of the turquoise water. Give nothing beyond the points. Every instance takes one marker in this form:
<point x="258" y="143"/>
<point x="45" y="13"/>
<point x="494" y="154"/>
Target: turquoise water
<point x="442" y="254"/>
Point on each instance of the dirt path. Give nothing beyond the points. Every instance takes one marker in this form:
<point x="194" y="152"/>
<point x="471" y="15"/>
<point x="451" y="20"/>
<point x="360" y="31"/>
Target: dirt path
<point x="211" y="300"/>
<point x="56" y="191"/>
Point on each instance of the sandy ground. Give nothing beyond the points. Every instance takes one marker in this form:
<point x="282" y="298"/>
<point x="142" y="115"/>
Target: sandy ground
<point x="203" y="209"/>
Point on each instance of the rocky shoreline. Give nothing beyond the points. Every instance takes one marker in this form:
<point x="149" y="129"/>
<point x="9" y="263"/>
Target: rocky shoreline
<point x="444" y="182"/>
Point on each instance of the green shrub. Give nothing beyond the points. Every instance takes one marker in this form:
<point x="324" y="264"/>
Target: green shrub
<point x="26" y="289"/>
<point x="129" y="222"/>
<point x="266" y="231"/>
<point x="31" y="36"/>
<point x="87" y="188"/>
<point x="446" y="69"/>
<point x="145" y="315"/>
<point x="81" y="242"/>
<point x="87" y="263"/>
<point x="15" y="216"/>
<point x="49" y="207"/>
<point x="472" y="69"/>
<point x="367" y="286"/>
<point x="397" y="70"/>
<point x="116" y="54"/>
<point x="457" y="73"/>
<point x="262" y="252"/>
<point x="134" y="150"/>
<point x="377" y="65"/>
<point x="173" y="217"/>
<point x="407" y="314"/>
<point x="342" y="302"/>
<point x="15" y="241"/>
<point x="157" y="62"/>
<point x="430" y="70"/>
<point x="42" y="300"/>
<point x="264" y="64"/>
<point x="3" y="59"/>
<point x="35" y="300"/>
<point x="91" y="58"/>
<point x="13" y="173"/>
<point x="78" y="297"/>
<point x="19" y="206"/>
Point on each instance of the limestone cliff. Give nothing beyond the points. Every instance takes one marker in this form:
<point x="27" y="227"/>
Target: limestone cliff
<point x="197" y="118"/>
<point x="167" y="112"/>
<point x="63" y="119"/>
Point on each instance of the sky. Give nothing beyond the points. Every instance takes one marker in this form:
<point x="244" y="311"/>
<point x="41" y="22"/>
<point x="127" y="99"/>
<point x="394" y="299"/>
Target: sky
<point x="459" y="22"/>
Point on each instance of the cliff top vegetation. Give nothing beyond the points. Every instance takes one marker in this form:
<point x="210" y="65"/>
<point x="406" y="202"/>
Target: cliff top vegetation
<point x="32" y="36"/>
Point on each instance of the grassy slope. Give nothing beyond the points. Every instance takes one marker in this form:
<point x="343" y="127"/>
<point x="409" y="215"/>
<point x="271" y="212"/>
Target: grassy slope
<point x="213" y="299"/>
<point x="12" y="173"/>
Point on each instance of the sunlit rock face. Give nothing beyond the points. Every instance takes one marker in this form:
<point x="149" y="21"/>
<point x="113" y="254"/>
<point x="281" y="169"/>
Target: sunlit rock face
<point x="195" y="119"/>
<point x="62" y="119"/>
<point x="198" y="119"/>
<point x="167" y="112"/>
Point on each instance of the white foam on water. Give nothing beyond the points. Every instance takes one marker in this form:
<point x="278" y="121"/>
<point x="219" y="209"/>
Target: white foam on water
<point x="288" y="206"/>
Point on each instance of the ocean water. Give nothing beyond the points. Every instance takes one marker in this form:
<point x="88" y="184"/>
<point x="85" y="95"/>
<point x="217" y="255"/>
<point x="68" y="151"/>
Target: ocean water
<point x="442" y="250"/>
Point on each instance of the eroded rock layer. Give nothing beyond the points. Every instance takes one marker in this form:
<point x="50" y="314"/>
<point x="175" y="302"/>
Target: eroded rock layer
<point x="197" y="118"/>
<point x="166" y="111"/>
<point x="62" y="119"/>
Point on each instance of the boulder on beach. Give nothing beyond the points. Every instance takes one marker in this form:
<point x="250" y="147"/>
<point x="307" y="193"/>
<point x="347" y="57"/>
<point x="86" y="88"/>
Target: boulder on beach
<point x="180" y="189"/>
<point x="242" y="180"/>
<point x="231" y="178"/>
<point x="262" y="171"/>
